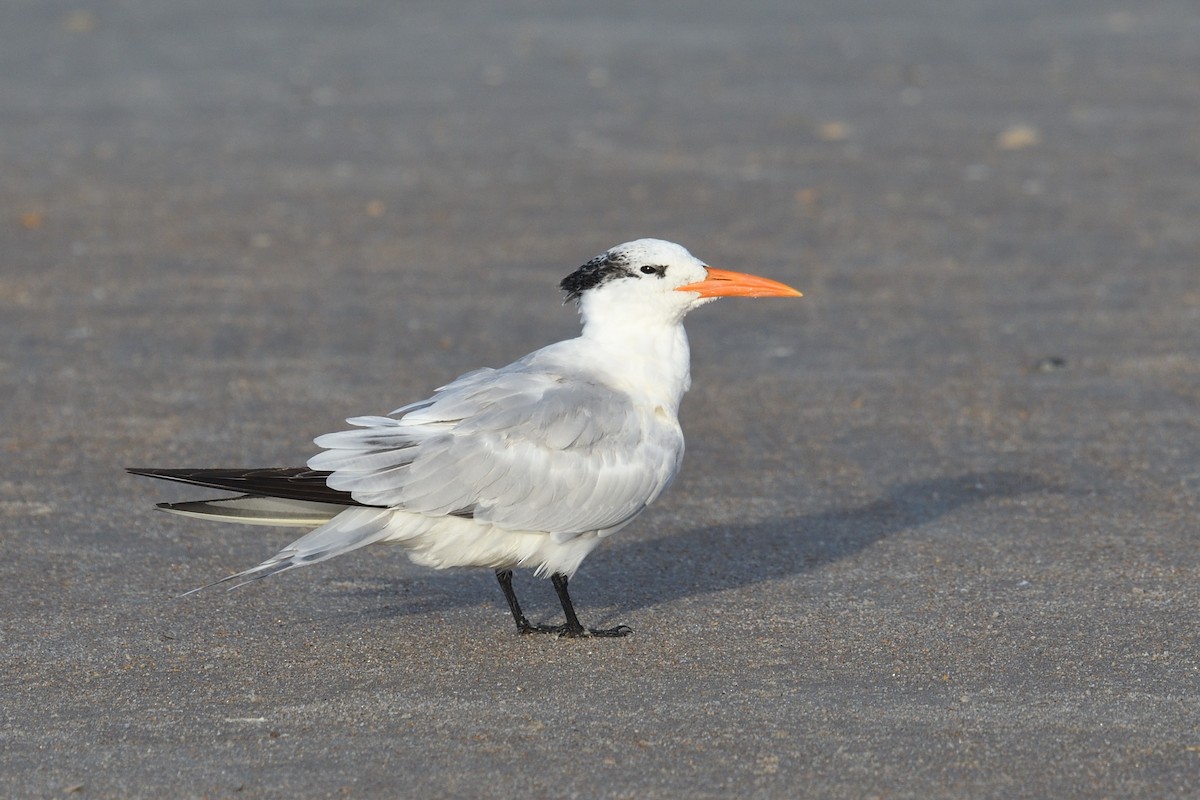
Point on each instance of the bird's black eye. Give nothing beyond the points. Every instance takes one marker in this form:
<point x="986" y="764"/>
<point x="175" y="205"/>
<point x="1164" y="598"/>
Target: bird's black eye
<point x="650" y="270"/>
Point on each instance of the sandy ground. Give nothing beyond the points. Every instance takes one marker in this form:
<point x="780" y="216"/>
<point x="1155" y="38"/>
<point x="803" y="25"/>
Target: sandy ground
<point x="936" y="535"/>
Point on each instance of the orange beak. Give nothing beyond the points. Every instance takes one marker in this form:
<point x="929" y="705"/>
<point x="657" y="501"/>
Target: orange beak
<point x="723" y="283"/>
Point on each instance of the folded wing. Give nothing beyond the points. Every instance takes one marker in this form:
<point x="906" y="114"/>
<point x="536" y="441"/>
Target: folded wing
<point x="519" y="448"/>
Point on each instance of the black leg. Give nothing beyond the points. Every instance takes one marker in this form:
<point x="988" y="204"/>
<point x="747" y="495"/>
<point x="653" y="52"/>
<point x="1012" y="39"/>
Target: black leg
<point x="505" y="578"/>
<point x="572" y="628"/>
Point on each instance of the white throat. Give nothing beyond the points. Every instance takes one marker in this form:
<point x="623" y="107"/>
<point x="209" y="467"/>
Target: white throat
<point x="645" y="354"/>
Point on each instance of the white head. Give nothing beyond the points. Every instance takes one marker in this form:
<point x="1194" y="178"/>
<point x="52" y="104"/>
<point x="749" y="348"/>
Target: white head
<point x="651" y="280"/>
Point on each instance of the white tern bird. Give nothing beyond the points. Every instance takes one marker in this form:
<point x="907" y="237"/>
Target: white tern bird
<point x="531" y="465"/>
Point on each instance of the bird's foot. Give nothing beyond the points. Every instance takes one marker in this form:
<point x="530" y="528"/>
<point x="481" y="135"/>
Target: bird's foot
<point x="612" y="633"/>
<point x="569" y="631"/>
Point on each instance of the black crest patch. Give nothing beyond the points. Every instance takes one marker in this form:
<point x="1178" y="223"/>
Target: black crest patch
<point x="601" y="269"/>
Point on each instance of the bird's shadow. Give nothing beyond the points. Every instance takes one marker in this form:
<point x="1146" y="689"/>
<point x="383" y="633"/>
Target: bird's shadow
<point x="716" y="558"/>
<point x="637" y="573"/>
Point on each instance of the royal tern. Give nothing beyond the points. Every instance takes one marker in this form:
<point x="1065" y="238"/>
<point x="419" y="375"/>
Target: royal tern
<point x="531" y="465"/>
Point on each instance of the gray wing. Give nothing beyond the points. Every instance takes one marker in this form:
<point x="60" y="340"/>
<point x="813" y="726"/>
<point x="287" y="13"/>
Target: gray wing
<point x="520" y="448"/>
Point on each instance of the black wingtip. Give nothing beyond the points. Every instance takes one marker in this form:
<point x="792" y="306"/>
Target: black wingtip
<point x="289" y="483"/>
<point x="184" y="475"/>
<point x="142" y="472"/>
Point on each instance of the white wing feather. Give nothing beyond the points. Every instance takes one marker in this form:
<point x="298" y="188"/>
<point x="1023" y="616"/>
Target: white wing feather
<point x="522" y="448"/>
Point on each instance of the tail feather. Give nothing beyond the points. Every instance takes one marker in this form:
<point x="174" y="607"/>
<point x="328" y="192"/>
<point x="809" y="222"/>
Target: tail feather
<point x="282" y="496"/>
<point x="349" y="530"/>
<point x="253" y="510"/>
